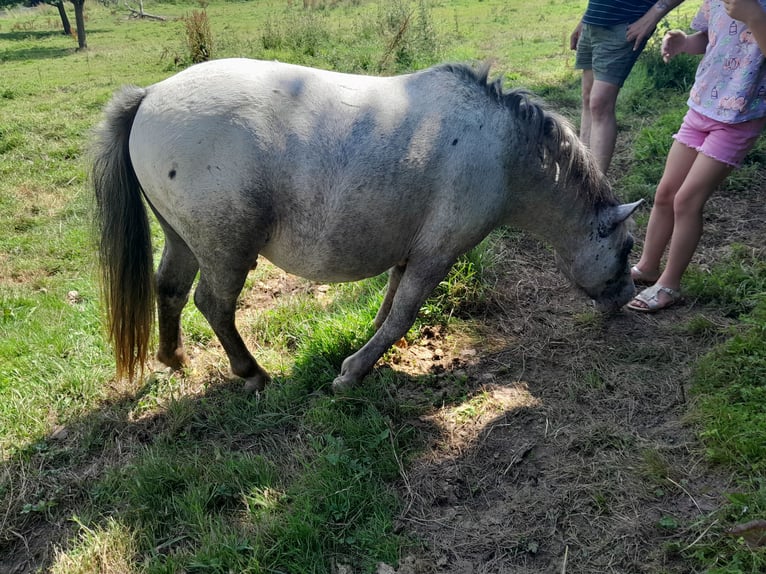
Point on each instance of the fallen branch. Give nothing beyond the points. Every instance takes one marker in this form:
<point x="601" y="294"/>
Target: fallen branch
<point x="140" y="12"/>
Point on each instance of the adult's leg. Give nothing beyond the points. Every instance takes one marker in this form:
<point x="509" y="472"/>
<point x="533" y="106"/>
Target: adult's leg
<point x="603" y="122"/>
<point x="585" y="118"/>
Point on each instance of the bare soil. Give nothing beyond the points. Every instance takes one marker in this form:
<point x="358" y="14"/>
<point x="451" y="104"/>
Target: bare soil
<point x="578" y="450"/>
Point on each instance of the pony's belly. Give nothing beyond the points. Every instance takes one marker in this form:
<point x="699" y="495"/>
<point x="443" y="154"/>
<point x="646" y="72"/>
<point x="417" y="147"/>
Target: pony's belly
<point x="320" y="266"/>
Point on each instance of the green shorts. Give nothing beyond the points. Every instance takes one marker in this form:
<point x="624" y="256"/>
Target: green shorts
<point x="606" y="51"/>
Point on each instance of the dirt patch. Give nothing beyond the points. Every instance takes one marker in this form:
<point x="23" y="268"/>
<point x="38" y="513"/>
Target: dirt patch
<point x="572" y="454"/>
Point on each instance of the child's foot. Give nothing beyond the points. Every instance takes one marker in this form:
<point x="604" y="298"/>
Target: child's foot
<point x="642" y="277"/>
<point x="654" y="299"/>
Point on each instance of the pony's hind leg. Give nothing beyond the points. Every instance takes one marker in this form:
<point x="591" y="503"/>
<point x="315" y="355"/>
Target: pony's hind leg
<point x="175" y="275"/>
<point x="394" y="277"/>
<point x="216" y="297"/>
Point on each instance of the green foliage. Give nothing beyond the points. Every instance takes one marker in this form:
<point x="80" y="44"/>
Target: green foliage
<point x="199" y="38"/>
<point x="184" y="473"/>
<point x="730" y="387"/>
<point x="738" y="284"/>
<point x="732" y="383"/>
<point x="464" y="289"/>
<point x="409" y="33"/>
<point x="718" y="551"/>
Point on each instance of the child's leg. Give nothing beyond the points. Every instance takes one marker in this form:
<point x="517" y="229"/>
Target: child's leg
<point x="724" y="147"/>
<point x="705" y="175"/>
<point x="703" y="179"/>
<point x="660" y="226"/>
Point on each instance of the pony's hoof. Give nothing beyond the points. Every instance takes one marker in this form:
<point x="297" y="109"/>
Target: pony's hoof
<point x="256" y="383"/>
<point x="343" y="384"/>
<point x="177" y="360"/>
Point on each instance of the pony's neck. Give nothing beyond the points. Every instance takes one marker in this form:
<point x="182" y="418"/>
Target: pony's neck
<point x="552" y="212"/>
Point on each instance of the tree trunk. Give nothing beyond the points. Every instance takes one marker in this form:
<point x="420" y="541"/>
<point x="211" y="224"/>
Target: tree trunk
<point x="64" y="18"/>
<point x="80" y="20"/>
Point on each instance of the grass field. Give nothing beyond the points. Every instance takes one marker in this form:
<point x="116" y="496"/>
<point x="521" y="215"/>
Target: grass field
<point x="179" y="472"/>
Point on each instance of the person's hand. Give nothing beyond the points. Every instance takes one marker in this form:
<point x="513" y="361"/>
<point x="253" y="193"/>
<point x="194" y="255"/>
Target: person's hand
<point x="575" y="36"/>
<point x="673" y="44"/>
<point x="641" y="29"/>
<point x="744" y="10"/>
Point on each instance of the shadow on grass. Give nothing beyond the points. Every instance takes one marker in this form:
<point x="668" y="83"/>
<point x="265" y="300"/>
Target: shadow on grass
<point x="35" y="53"/>
<point x="28" y="52"/>
<point x="222" y="477"/>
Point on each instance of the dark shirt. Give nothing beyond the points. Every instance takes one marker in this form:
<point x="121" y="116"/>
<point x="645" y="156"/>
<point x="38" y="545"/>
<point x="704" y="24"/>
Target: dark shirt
<point x="612" y="12"/>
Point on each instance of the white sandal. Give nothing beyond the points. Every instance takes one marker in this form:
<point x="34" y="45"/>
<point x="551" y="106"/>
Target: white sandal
<point x="650" y="298"/>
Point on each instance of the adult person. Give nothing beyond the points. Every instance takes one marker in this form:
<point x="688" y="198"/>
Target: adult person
<point x="609" y="38"/>
<point x="727" y="113"/>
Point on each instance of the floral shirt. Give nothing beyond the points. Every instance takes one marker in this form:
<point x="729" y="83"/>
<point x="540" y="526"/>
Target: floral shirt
<point x="730" y="85"/>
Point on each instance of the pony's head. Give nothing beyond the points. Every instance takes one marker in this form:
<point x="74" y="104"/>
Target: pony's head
<point x="598" y="262"/>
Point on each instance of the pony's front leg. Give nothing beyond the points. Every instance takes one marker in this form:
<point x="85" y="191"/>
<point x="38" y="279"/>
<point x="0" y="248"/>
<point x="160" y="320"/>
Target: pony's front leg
<point x="415" y="284"/>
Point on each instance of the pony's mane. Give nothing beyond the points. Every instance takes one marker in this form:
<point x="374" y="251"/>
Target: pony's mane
<point x="561" y="149"/>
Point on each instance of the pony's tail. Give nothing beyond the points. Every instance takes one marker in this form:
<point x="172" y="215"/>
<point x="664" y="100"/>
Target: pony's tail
<point x="124" y="236"/>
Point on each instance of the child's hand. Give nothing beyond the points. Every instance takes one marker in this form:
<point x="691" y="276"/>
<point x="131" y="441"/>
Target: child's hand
<point x="673" y="44"/>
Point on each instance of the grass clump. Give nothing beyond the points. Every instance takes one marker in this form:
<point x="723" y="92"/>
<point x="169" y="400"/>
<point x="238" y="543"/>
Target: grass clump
<point x="199" y="37"/>
<point x="738" y="285"/>
<point x="729" y="385"/>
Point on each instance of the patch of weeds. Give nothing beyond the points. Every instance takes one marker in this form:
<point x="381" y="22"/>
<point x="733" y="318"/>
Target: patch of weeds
<point x="701" y="327"/>
<point x="594" y="379"/>
<point x="668" y="523"/>
<point x="304" y="37"/>
<point x="409" y="34"/>
<point x="590" y="318"/>
<point x="109" y="547"/>
<point x="463" y="290"/>
<point x="199" y="37"/>
<point x="602" y="502"/>
<point x="724" y="544"/>
<point x="737" y="284"/>
<point x="731" y="385"/>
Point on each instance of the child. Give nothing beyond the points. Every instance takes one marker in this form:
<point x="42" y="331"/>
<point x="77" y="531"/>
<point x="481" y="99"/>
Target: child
<point x="727" y="111"/>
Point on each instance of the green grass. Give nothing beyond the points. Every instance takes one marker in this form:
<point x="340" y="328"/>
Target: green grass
<point x="183" y="473"/>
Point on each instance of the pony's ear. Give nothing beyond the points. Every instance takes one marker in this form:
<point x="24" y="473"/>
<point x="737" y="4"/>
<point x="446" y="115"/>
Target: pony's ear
<point x="613" y="216"/>
<point x="620" y="213"/>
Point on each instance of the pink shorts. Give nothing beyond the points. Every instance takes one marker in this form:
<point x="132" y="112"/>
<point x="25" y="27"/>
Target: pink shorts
<point x="727" y="143"/>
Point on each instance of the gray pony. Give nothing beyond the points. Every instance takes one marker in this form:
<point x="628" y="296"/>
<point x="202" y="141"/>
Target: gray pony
<point x="333" y="177"/>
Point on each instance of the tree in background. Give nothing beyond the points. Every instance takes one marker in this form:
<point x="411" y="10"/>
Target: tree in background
<point x="59" y="4"/>
<point x="79" y="19"/>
